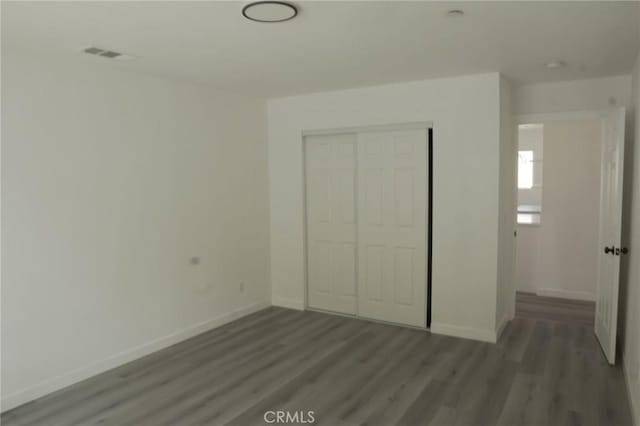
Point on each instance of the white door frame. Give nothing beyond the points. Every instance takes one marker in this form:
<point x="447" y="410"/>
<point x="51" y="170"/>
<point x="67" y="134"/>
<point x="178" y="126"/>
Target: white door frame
<point x="413" y="125"/>
<point x="348" y="130"/>
<point x="542" y="118"/>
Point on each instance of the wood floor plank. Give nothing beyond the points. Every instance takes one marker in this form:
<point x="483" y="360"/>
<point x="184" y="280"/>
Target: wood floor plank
<point x="515" y="338"/>
<point x="534" y="358"/>
<point x="547" y="368"/>
<point x="295" y="394"/>
<point x="480" y="400"/>
<point x="150" y="381"/>
<point x="425" y="407"/>
<point x="101" y="387"/>
<point x="388" y="397"/>
<point x="522" y="405"/>
<point x="199" y="381"/>
<point x="231" y="401"/>
<point x="551" y="308"/>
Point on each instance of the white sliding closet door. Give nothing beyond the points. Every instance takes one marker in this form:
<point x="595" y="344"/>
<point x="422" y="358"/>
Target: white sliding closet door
<point x="392" y="201"/>
<point x="331" y="222"/>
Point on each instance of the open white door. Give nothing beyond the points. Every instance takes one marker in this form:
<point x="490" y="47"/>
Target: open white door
<point x="610" y="230"/>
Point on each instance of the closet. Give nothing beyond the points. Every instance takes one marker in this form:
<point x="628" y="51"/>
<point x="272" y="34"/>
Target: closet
<point x="367" y="223"/>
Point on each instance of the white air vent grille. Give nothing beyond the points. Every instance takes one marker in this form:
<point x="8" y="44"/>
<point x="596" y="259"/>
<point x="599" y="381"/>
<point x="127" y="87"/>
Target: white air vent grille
<point x="106" y="53"/>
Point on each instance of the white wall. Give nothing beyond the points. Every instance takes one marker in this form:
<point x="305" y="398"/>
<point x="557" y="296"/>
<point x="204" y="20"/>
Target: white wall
<point x="111" y="182"/>
<point x="558" y="257"/>
<point x="631" y="265"/>
<point x="465" y="116"/>
<point x="576" y="95"/>
<point x="527" y="275"/>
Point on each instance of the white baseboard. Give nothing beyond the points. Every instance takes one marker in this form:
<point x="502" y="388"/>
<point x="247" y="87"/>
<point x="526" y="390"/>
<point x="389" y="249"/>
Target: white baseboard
<point x="51" y="385"/>
<point x="566" y="294"/>
<point x="633" y="392"/>
<point x="288" y="303"/>
<point x="502" y="325"/>
<point x="464" y="332"/>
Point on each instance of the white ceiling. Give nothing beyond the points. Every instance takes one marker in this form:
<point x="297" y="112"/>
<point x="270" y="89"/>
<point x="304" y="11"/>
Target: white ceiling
<point x="334" y="45"/>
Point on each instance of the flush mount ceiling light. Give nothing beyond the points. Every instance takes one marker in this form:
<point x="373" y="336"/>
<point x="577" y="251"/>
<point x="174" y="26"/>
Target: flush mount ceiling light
<point x="531" y="126"/>
<point x="269" y="11"/>
<point x="555" y="64"/>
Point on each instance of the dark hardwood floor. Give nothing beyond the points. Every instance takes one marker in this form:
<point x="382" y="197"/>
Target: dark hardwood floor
<point x="529" y="305"/>
<point x="350" y="371"/>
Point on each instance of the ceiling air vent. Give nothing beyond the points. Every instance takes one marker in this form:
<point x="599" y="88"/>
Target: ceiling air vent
<point x="107" y="53"/>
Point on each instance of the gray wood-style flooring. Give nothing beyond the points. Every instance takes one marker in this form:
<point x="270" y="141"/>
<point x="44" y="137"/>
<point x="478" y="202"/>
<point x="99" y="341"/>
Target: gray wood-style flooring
<point x="349" y="371"/>
<point x="529" y="305"/>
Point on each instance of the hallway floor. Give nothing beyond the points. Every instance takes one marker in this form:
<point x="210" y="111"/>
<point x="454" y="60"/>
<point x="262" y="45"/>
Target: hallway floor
<point x="529" y="305"/>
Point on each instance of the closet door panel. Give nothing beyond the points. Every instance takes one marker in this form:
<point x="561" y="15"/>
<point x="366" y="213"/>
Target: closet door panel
<point x="392" y="199"/>
<point x="331" y="222"/>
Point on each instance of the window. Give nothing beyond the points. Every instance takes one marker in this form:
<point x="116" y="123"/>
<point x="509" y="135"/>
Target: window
<point x="530" y="150"/>
<point x="528" y="218"/>
<point x="525" y="169"/>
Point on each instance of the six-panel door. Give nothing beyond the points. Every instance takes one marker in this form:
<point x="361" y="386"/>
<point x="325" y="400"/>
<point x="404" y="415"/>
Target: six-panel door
<point x="331" y="222"/>
<point x="366" y="199"/>
<point x="606" y="324"/>
<point x="392" y="191"/>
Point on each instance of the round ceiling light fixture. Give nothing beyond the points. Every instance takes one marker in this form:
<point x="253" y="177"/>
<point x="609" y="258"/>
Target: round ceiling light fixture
<point x="269" y="11"/>
<point x="455" y="13"/>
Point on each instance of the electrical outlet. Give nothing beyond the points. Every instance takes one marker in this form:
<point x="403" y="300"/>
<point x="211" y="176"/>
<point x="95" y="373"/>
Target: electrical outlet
<point x="241" y="286"/>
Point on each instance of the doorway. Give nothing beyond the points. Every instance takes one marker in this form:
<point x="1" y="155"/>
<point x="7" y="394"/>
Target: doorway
<point x="569" y="210"/>
<point x="368" y="239"/>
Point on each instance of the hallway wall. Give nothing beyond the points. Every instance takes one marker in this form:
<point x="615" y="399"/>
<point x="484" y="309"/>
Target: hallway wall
<point x="558" y="257"/>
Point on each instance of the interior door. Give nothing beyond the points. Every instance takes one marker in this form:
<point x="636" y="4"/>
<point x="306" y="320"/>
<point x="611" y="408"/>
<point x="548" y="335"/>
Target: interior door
<point x="331" y="222"/>
<point x="610" y="230"/>
<point x="392" y="200"/>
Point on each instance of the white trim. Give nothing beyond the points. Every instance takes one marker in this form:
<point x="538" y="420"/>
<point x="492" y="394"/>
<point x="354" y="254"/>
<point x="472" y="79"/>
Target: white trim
<point x="284" y="302"/>
<point x="464" y="332"/>
<point x="566" y="294"/>
<point x="377" y="321"/>
<point x="528" y="225"/>
<point x="502" y="325"/>
<point x="512" y="307"/>
<point x="373" y="128"/>
<point x="305" y="231"/>
<point x="634" y="400"/>
<point x="51" y="385"/>
<point x="560" y="116"/>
